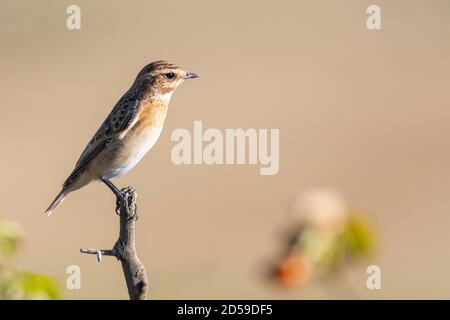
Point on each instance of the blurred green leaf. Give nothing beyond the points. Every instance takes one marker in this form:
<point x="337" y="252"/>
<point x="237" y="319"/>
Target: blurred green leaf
<point x="16" y="284"/>
<point x="359" y="236"/>
<point x="10" y="236"/>
<point x="329" y="251"/>
<point x="36" y="286"/>
<point x="24" y="285"/>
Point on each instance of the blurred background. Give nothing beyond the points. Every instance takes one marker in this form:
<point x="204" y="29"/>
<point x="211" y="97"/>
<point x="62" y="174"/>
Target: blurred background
<point x="362" y="113"/>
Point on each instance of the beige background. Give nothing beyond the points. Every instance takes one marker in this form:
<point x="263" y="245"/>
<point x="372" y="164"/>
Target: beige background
<point x="364" y="112"/>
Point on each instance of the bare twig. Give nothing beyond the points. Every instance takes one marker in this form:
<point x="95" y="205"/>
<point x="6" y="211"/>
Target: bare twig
<point x="125" y="248"/>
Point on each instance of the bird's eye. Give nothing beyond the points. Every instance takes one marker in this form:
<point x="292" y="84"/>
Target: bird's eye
<point x="169" y="75"/>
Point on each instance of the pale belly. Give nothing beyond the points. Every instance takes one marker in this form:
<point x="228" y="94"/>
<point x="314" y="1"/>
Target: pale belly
<point x="130" y="152"/>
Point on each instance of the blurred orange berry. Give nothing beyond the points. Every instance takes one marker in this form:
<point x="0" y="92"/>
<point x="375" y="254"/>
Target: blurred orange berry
<point x="294" y="271"/>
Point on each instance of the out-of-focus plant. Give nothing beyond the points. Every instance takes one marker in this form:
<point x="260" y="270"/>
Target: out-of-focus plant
<point x="15" y="284"/>
<point x="327" y="234"/>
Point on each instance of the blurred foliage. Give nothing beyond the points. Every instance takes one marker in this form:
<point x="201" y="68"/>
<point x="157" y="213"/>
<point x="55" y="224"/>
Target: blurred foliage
<point x="358" y="236"/>
<point x="330" y="251"/>
<point x="10" y="235"/>
<point x="16" y="284"/>
<point x="328" y="235"/>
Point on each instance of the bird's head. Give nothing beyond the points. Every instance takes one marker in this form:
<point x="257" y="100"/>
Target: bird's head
<point x="161" y="78"/>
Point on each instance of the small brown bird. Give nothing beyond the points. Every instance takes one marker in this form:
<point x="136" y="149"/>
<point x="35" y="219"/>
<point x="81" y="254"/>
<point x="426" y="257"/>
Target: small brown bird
<point x="129" y="131"/>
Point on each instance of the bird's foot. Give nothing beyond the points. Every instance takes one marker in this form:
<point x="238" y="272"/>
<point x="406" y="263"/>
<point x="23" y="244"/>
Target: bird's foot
<point x="127" y="197"/>
<point x="118" y="202"/>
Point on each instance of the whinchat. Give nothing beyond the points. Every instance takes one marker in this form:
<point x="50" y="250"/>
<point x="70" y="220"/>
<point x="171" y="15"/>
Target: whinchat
<point x="130" y="130"/>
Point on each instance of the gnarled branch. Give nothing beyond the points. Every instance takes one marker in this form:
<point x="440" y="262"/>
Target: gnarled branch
<point x="125" y="247"/>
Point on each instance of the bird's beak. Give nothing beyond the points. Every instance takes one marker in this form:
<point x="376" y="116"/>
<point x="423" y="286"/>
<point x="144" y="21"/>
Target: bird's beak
<point x="190" y="75"/>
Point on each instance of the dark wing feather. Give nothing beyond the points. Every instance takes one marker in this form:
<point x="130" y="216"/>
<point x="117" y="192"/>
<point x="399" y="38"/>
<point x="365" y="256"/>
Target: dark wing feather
<point x="118" y="122"/>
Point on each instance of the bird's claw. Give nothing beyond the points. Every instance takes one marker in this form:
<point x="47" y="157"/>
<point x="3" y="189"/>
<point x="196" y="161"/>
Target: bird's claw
<point x="118" y="205"/>
<point x="119" y="200"/>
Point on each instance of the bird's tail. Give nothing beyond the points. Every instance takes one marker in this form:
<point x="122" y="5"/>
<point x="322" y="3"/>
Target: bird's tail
<point x="59" y="198"/>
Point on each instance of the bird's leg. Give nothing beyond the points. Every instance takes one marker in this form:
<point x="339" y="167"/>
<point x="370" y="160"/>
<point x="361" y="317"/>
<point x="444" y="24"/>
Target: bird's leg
<point x="116" y="191"/>
<point x="119" y="198"/>
<point x="112" y="187"/>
